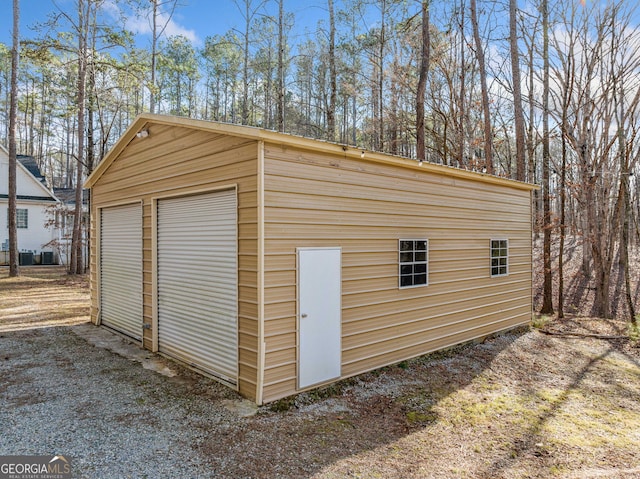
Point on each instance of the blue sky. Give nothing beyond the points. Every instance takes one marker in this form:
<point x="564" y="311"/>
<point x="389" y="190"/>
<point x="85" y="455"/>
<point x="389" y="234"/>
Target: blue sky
<point x="196" y="19"/>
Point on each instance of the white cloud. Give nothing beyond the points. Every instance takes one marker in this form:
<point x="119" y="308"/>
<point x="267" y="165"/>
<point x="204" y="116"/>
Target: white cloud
<point x="142" y="25"/>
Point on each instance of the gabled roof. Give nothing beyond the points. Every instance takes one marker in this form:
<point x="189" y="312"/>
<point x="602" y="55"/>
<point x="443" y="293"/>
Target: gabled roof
<point x="39" y="191"/>
<point x="143" y="120"/>
<point x="30" y="163"/>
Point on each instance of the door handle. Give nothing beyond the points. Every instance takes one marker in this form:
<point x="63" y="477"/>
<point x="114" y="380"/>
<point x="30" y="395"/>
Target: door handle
<point x="303" y="315"/>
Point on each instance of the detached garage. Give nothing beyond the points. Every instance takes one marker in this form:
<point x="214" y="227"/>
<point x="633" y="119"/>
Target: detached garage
<point x="277" y="264"/>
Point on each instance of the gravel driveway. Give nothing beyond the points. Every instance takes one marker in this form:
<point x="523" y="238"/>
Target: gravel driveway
<point x="64" y="391"/>
<point x="118" y="411"/>
<point x="519" y="405"/>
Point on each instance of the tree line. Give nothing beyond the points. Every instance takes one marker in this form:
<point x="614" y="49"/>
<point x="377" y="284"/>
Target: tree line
<point x="542" y="91"/>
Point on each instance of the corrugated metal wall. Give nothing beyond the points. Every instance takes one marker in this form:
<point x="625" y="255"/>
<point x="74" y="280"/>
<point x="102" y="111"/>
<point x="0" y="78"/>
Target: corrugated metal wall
<point x="175" y="161"/>
<point x="320" y="200"/>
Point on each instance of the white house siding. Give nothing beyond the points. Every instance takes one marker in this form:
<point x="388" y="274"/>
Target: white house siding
<point x="34" y="238"/>
<point x="37" y="200"/>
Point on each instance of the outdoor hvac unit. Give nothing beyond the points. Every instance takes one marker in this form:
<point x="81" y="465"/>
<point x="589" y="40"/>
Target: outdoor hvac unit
<point x="26" y="258"/>
<point x="47" y="257"/>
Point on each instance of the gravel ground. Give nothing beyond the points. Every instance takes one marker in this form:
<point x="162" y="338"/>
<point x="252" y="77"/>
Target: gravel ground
<point x="519" y="405"/>
<point x="114" y="419"/>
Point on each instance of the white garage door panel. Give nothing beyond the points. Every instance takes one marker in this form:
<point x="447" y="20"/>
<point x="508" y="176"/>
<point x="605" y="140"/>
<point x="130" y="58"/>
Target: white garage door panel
<point x="197" y="281"/>
<point x="121" y="269"/>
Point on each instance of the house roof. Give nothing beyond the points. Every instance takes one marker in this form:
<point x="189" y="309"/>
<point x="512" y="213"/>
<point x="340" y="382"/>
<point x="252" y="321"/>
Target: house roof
<point x="39" y="190"/>
<point x="142" y="121"/>
<point x="30" y="163"/>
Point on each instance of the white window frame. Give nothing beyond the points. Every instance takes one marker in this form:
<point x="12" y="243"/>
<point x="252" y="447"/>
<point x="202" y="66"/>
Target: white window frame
<point x="20" y="212"/>
<point x="413" y="263"/>
<point x="499" y="257"/>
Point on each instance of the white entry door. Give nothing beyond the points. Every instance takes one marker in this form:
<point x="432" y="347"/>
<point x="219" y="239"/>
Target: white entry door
<point x="319" y="315"/>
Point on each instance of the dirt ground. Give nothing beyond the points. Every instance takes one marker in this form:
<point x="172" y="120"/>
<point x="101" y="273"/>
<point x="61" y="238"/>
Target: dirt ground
<point x="561" y="399"/>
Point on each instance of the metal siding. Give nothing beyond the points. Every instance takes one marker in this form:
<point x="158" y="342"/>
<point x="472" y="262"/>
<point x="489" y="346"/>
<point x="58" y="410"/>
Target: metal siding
<point x="197" y="281"/>
<point x="121" y="269"/>
<point x="312" y="199"/>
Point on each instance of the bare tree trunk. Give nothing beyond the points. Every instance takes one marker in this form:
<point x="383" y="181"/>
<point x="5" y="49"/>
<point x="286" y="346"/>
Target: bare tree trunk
<point x="380" y="86"/>
<point x="517" y="92"/>
<point x="245" y="66"/>
<point x="156" y="33"/>
<point x="154" y="54"/>
<point x="624" y="202"/>
<point x="531" y="142"/>
<point x="422" y="81"/>
<point x="331" y="111"/>
<point x="563" y="189"/>
<point x="624" y="240"/>
<point x="281" y="95"/>
<point x="14" y="269"/>
<point x="488" y="135"/>
<point x="91" y="94"/>
<point x="547" y="289"/>
<point x="463" y="67"/>
<point x="76" y="264"/>
<point x="563" y="200"/>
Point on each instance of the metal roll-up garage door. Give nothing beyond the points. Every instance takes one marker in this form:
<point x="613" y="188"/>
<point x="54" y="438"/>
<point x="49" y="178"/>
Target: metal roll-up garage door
<point x="121" y="269"/>
<point x="197" y="281"/>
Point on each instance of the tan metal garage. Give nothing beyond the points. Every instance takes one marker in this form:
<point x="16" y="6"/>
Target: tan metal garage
<point x="278" y="263"/>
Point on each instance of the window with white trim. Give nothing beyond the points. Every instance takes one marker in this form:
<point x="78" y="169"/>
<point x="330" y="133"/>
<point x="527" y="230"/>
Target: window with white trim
<point x="499" y="257"/>
<point x="413" y="257"/>
<point x="22" y="218"/>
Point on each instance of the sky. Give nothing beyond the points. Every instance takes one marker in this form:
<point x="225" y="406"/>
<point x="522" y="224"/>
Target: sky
<point x="195" y="19"/>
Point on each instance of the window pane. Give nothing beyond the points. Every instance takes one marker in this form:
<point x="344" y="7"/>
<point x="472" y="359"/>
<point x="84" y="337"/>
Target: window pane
<point x="406" y="245"/>
<point x="420" y="279"/>
<point x="420" y="268"/>
<point x="406" y="281"/>
<point x="421" y="246"/>
<point x="421" y="256"/>
<point x="406" y="257"/>
<point x="406" y="269"/>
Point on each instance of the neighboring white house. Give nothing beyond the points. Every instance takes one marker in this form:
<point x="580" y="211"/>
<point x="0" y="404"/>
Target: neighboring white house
<point x="34" y="204"/>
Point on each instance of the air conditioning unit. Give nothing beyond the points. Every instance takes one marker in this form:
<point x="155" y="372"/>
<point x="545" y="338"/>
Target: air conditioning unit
<point x="47" y="257"/>
<point x="26" y="258"/>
